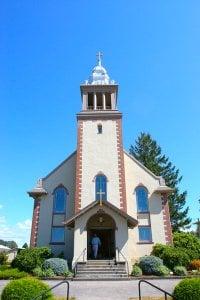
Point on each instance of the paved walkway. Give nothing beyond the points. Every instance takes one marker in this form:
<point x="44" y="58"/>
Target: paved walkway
<point x="108" y="290"/>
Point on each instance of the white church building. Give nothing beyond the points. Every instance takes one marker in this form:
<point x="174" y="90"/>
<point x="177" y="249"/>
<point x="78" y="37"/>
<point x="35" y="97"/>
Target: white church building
<point x="100" y="188"/>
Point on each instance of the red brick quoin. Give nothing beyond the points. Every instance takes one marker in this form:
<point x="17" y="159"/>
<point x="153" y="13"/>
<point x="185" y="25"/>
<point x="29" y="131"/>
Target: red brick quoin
<point x="79" y="167"/>
<point x="35" y="221"/>
<point x="122" y="182"/>
<point x="166" y="219"/>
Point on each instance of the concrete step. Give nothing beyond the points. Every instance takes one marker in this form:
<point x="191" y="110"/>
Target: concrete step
<point x="101" y="275"/>
<point x="101" y="272"/>
<point x="105" y="277"/>
<point x="101" y="269"/>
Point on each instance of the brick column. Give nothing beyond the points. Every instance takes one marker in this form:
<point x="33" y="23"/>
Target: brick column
<point x="166" y="219"/>
<point x="35" y="222"/>
<point x="121" y="169"/>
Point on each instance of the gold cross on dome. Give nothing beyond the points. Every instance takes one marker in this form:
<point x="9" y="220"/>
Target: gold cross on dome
<point x="99" y="56"/>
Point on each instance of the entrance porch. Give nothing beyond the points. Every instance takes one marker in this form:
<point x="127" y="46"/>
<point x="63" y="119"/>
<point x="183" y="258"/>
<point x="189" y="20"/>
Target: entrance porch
<point x="111" y="226"/>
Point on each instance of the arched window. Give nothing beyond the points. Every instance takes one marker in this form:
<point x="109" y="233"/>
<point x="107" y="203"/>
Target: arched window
<point x="59" y="201"/>
<point x="101" y="187"/>
<point x="142" y="199"/>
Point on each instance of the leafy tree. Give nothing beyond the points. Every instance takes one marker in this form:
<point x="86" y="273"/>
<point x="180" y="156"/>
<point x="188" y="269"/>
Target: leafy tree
<point x="149" y="153"/>
<point x="10" y="244"/>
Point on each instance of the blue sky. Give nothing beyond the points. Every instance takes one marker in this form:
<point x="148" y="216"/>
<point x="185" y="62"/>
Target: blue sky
<point x="151" y="48"/>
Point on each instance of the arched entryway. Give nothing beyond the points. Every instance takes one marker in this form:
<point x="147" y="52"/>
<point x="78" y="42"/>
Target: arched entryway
<point x="103" y="225"/>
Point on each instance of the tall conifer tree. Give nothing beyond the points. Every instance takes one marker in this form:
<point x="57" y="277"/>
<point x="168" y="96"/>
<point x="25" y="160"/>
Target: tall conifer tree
<point x="149" y="153"/>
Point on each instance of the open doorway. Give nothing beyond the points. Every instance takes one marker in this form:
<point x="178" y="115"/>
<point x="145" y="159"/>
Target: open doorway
<point x="103" y="226"/>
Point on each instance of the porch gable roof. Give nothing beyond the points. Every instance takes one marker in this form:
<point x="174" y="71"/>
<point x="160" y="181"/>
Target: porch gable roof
<point x="130" y="220"/>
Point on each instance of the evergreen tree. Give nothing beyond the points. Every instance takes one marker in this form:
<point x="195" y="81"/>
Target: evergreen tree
<point x="25" y="245"/>
<point x="149" y="153"/>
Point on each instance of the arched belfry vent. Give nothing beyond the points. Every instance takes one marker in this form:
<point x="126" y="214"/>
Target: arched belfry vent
<point x="99" y="92"/>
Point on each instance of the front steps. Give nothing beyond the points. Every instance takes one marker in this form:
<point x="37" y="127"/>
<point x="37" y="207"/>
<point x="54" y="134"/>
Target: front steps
<point x="101" y="270"/>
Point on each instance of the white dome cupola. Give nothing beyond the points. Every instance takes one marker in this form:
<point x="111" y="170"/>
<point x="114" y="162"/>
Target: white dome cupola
<point x="99" y="74"/>
<point x="99" y="92"/>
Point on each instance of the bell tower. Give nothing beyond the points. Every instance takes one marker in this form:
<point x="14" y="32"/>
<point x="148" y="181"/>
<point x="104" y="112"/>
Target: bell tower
<point x="99" y="93"/>
<point x="99" y="142"/>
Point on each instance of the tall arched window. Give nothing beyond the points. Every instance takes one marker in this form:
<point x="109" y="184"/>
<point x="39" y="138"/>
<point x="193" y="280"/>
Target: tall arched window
<point x="142" y="199"/>
<point x="59" y="201"/>
<point x="101" y="187"/>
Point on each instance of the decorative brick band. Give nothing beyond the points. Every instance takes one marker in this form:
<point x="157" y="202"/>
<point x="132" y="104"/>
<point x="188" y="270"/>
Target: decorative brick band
<point x="35" y="222"/>
<point x="166" y="219"/>
<point x="121" y="169"/>
<point x="79" y="167"/>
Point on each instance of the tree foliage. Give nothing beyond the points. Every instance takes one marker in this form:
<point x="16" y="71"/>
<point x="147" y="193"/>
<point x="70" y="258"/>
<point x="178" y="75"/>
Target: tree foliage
<point x="9" y="244"/>
<point x="149" y="153"/>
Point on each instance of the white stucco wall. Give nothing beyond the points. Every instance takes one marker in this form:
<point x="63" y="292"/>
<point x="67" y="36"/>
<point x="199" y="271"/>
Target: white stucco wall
<point x="135" y="175"/>
<point x="99" y="154"/>
<point x="65" y="175"/>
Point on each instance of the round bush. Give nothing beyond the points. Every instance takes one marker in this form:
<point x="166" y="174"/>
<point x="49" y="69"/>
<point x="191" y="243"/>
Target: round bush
<point x="162" y="271"/>
<point x="136" y="271"/>
<point x="188" y="289"/>
<point x="30" y="258"/>
<point x="180" y="271"/>
<point x="58" y="265"/>
<point x="149" y="264"/>
<point x="25" y="289"/>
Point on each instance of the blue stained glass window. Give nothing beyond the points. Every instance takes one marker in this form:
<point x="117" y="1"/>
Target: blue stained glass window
<point x="101" y="187"/>
<point x="145" y="234"/>
<point x="142" y="199"/>
<point x="58" y="235"/>
<point x="60" y="196"/>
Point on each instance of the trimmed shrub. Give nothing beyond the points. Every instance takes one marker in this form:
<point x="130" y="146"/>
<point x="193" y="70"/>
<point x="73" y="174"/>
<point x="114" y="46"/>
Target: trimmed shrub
<point x="136" y="271"/>
<point x="162" y="271"/>
<point x="188" y="289"/>
<point x="58" y="265"/>
<point x="10" y="273"/>
<point x="38" y="272"/>
<point x="195" y="264"/>
<point x="30" y="258"/>
<point x="3" y="258"/>
<point x="26" y="289"/>
<point x="149" y="264"/>
<point x="158" y="249"/>
<point x="171" y="256"/>
<point x="189" y="242"/>
<point x="180" y="271"/>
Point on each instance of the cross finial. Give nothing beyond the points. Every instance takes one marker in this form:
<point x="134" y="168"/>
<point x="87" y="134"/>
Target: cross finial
<point x="99" y="57"/>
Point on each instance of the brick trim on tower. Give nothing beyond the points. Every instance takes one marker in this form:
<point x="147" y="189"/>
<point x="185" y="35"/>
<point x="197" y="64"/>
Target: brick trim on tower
<point x="120" y="152"/>
<point x="79" y="167"/>
<point x="166" y="219"/>
<point x="35" y="222"/>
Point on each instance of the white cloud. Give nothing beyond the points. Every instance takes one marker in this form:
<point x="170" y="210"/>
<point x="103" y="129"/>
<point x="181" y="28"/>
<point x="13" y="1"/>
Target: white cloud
<point x="20" y="232"/>
<point x="25" y="225"/>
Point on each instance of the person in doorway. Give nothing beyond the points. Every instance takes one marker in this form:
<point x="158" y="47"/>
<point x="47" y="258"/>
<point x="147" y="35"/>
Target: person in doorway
<point x="96" y="243"/>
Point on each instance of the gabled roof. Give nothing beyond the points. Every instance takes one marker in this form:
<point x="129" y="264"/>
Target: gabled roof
<point x="62" y="163"/>
<point x="130" y="220"/>
<point x="162" y="188"/>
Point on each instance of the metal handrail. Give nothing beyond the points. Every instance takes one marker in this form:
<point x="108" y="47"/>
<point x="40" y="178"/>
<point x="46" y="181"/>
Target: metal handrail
<point x="126" y="261"/>
<point x="40" y="296"/>
<point x="76" y="261"/>
<point x="156" y="287"/>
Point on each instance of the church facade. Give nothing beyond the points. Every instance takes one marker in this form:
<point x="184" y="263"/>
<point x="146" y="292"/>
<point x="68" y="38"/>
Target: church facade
<point x="100" y="189"/>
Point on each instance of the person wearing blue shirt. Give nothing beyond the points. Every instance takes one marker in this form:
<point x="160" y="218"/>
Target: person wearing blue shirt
<point x="96" y="243"/>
